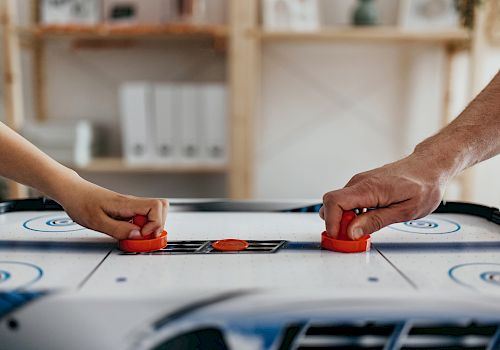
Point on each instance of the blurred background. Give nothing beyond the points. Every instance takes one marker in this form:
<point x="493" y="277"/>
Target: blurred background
<point x="243" y="99"/>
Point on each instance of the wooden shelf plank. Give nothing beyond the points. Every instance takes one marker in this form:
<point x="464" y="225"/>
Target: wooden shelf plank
<point x="368" y="34"/>
<point x="105" y="31"/>
<point x="119" y="165"/>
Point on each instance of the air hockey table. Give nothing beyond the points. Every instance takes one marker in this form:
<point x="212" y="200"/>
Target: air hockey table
<point x="432" y="283"/>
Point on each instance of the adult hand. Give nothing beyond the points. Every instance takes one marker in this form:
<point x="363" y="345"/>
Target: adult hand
<point x="407" y="189"/>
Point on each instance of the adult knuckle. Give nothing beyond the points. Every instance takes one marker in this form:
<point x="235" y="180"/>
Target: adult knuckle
<point x="357" y="178"/>
<point x="330" y="198"/>
<point x="377" y="222"/>
<point x="370" y="190"/>
<point x="370" y="184"/>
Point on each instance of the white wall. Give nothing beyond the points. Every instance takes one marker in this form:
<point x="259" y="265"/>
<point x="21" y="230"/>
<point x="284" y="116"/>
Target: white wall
<point x="487" y="174"/>
<point x="332" y="110"/>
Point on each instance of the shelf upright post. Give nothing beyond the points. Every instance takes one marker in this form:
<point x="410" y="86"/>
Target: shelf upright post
<point x="12" y="67"/>
<point x="13" y="91"/>
<point x="38" y="49"/>
<point x="449" y="55"/>
<point x="244" y="71"/>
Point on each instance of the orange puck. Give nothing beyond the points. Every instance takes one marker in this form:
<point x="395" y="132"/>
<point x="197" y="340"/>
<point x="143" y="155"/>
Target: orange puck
<point x="230" y="245"/>
<point x="143" y="245"/>
<point x="140" y="220"/>
<point x="344" y="245"/>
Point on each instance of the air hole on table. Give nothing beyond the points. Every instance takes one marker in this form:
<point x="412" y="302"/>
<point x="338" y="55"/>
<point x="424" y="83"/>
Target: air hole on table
<point x="13" y="324"/>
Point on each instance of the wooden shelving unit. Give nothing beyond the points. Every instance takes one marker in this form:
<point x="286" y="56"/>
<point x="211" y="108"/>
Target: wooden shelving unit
<point x="110" y="32"/>
<point x="118" y="165"/>
<point x="243" y="39"/>
<point x="230" y="38"/>
<point x="372" y="34"/>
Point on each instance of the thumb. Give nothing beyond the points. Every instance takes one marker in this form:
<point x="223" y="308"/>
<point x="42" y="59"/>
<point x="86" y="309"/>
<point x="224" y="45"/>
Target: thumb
<point x="119" y="229"/>
<point x="375" y="220"/>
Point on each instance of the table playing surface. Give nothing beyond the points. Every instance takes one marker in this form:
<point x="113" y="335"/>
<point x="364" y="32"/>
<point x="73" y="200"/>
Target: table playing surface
<point x="76" y="285"/>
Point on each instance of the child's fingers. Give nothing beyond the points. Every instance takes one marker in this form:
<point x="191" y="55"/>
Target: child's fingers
<point x="165" y="205"/>
<point x="155" y="210"/>
<point x="125" y="208"/>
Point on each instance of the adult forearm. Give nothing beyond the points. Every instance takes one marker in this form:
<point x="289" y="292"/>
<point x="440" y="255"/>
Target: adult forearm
<point x="24" y="163"/>
<point x="472" y="137"/>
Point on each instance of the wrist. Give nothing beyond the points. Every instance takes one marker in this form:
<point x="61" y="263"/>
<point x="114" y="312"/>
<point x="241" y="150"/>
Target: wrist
<point x="62" y="184"/>
<point x="441" y="155"/>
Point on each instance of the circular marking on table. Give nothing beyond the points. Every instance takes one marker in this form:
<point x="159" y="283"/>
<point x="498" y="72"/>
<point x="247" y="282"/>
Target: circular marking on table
<point x="492" y="277"/>
<point x="19" y="274"/>
<point x="4" y="276"/>
<point x="478" y="276"/>
<point x="421" y="224"/>
<point x="427" y="226"/>
<point x="48" y="223"/>
<point x="60" y="222"/>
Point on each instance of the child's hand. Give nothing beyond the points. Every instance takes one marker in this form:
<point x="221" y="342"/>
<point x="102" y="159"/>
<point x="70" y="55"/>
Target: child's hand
<point x="109" y="212"/>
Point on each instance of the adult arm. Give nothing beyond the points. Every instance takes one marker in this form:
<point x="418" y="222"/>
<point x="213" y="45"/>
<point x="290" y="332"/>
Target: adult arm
<point x="413" y="186"/>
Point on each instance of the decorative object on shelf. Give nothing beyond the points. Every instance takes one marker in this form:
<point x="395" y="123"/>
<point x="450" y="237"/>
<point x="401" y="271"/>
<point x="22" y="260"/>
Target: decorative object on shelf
<point x="133" y="11"/>
<point x="193" y="11"/>
<point x="71" y="143"/>
<point x="297" y="15"/>
<point x="365" y="14"/>
<point x="493" y="22"/>
<point x="466" y="9"/>
<point x="70" y="12"/>
<point x="428" y="14"/>
<point x="154" y="12"/>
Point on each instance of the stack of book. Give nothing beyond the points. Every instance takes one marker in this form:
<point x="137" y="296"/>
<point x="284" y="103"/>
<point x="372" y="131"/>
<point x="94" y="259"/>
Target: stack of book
<point x="174" y="123"/>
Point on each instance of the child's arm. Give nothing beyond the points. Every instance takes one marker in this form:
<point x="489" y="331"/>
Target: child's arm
<point x="413" y="187"/>
<point x="88" y="204"/>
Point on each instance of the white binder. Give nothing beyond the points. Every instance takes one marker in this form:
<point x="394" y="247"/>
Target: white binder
<point x="214" y="107"/>
<point x="166" y="113"/>
<point x="136" y="118"/>
<point x="190" y="126"/>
